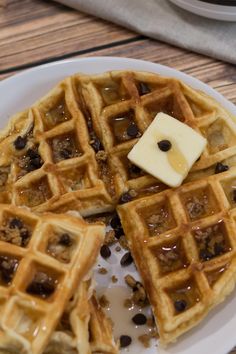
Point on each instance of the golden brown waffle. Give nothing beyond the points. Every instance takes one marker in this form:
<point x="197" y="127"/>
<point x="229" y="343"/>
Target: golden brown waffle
<point x="83" y="328"/>
<point x="184" y="244"/>
<point x="43" y="260"/>
<point x="69" y="151"/>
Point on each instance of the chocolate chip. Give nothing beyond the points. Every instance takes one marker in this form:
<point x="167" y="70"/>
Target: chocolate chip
<point x="180" y="305"/>
<point x="220" y="167"/>
<point x="205" y="255"/>
<point x="125" y="198"/>
<point x="126" y="260"/>
<point x="96" y="144"/>
<point x="34" y="164"/>
<point x="115" y="222"/>
<point x="143" y="89"/>
<point x="35" y="160"/>
<point x="132" y="130"/>
<point x="65" y="153"/>
<point x="119" y="232"/>
<point x="15" y="224"/>
<point x="125" y="341"/>
<point x="20" y="142"/>
<point x="105" y="251"/>
<point x="65" y="240"/>
<point x="164" y="145"/>
<point x="139" y="319"/>
<point x="42" y="285"/>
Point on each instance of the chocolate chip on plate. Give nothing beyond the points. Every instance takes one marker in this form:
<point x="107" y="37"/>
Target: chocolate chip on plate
<point x="164" y="145"/>
<point x="125" y="341"/>
<point x="139" y="319"/>
<point x="125" y="198"/>
<point x="132" y="130"/>
<point x="126" y="260"/>
<point x="180" y="305"/>
<point x="20" y="142"/>
<point x="220" y="167"/>
<point x="119" y="232"/>
<point x="15" y="224"/>
<point x="105" y="251"/>
<point x="115" y="222"/>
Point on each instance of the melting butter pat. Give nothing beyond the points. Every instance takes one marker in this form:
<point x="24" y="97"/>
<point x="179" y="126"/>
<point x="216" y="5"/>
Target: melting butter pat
<point x="173" y="165"/>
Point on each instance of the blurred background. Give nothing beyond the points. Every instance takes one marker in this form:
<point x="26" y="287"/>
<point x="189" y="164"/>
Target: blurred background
<point x="34" y="32"/>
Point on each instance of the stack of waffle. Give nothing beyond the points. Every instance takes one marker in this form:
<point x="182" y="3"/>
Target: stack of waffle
<point x="69" y="152"/>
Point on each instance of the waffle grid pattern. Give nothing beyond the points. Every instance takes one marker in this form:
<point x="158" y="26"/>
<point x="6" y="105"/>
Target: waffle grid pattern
<point x="31" y="307"/>
<point x="77" y="139"/>
<point x="184" y="244"/>
<point x="69" y="152"/>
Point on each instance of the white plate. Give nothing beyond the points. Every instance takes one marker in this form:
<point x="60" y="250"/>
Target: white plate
<point x="216" y="334"/>
<point x="209" y="10"/>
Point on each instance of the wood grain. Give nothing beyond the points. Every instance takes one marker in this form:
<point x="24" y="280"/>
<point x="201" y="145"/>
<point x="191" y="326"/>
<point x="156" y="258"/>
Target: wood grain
<point x="219" y="75"/>
<point x="33" y="31"/>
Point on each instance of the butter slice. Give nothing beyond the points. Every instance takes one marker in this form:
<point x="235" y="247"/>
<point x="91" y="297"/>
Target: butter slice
<point x="171" y="167"/>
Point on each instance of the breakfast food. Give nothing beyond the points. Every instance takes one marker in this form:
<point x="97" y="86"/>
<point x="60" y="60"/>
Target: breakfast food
<point x="69" y="152"/>
<point x="36" y="283"/>
<point x="169" y="144"/>
<point x="83" y="328"/>
<point x="183" y="243"/>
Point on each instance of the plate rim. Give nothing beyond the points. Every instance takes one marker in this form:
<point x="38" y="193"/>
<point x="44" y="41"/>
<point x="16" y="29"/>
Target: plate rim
<point x="211" y="11"/>
<point x="188" y="79"/>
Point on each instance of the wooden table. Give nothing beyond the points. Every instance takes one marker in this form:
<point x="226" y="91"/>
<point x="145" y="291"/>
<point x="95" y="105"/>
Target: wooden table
<point x="34" y="32"/>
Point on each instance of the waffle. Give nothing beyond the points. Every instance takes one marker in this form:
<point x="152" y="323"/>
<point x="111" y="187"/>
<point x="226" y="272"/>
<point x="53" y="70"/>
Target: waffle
<point x="184" y="244"/>
<point x="83" y="328"/>
<point x="43" y="260"/>
<point x="69" y="150"/>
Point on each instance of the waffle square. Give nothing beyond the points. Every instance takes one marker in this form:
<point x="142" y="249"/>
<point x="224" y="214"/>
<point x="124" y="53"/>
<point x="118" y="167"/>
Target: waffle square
<point x="43" y="259"/>
<point x="184" y="245"/>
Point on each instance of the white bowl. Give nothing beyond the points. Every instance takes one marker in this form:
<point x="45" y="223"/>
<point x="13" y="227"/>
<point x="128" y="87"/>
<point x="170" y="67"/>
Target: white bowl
<point x="226" y="11"/>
